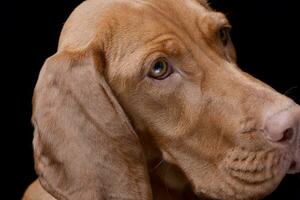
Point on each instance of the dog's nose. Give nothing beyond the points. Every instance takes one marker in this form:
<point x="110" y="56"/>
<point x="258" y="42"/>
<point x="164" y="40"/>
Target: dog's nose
<point x="283" y="126"/>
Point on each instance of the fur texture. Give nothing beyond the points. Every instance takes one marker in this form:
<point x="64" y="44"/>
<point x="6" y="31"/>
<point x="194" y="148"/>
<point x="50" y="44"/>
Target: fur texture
<point x="105" y="130"/>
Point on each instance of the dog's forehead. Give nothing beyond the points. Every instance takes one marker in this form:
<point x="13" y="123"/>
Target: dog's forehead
<point x="89" y="22"/>
<point x="151" y="18"/>
<point x="186" y="18"/>
<point x="171" y="3"/>
<point x="174" y="9"/>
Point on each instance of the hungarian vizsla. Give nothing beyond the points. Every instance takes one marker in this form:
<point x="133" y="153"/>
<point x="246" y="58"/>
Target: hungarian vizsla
<point x="144" y="100"/>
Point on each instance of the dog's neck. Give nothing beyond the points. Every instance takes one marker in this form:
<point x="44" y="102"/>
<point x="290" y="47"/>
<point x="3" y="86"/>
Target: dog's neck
<point x="167" y="180"/>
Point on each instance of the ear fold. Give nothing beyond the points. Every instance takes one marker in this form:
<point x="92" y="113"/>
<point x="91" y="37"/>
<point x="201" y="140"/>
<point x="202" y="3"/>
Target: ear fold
<point x="84" y="146"/>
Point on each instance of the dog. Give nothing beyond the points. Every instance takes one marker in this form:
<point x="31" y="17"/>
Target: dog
<point x="144" y="100"/>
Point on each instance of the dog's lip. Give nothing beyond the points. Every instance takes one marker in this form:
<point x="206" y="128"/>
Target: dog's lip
<point x="295" y="163"/>
<point x="294" y="167"/>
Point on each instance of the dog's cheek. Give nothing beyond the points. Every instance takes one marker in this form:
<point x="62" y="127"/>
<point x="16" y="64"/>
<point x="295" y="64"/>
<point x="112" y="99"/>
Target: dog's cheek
<point x="191" y="98"/>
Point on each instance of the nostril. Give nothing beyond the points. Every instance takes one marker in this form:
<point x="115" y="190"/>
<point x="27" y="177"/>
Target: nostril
<point x="287" y="135"/>
<point x="282" y="126"/>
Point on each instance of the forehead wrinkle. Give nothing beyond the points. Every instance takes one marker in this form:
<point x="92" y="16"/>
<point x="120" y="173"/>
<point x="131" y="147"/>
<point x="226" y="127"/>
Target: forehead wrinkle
<point x="170" y="42"/>
<point x="179" y="25"/>
<point x="177" y="10"/>
<point x="161" y="37"/>
<point x="167" y="21"/>
<point x="167" y="42"/>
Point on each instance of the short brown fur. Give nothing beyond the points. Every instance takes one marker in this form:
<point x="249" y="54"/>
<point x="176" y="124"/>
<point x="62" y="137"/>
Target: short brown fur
<point x="104" y="130"/>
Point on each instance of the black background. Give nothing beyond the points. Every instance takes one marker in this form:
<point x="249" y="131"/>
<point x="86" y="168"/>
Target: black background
<point x="265" y="33"/>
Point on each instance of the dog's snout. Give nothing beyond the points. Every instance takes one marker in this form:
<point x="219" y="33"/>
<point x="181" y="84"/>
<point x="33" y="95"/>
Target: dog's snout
<point x="283" y="126"/>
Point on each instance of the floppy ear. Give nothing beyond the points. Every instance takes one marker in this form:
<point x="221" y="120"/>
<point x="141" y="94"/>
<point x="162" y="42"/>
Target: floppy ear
<point x="84" y="145"/>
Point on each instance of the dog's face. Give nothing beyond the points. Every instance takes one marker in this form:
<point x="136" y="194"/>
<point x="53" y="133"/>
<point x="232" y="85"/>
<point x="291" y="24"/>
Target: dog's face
<point x="171" y="66"/>
<point x="180" y="84"/>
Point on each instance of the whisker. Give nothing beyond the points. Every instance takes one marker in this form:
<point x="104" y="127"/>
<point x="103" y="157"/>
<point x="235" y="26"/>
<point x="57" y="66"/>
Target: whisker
<point x="157" y="165"/>
<point x="288" y="91"/>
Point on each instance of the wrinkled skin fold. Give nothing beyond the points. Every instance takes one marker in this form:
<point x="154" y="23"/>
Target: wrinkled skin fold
<point x="104" y="129"/>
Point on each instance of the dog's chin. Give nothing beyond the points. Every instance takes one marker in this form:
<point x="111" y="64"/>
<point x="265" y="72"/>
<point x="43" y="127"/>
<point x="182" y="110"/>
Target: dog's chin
<point x="247" y="174"/>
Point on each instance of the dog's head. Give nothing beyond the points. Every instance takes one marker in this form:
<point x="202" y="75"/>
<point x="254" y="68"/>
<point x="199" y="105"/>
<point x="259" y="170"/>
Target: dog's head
<point x="133" y="78"/>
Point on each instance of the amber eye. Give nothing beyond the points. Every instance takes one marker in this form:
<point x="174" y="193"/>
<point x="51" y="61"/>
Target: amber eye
<point x="161" y="69"/>
<point x="224" y="35"/>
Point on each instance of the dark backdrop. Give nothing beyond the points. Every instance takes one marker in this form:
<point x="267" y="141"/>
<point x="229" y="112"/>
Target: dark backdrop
<point x="265" y="34"/>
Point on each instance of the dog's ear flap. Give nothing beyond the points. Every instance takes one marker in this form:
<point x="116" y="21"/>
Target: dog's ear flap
<point x="84" y="145"/>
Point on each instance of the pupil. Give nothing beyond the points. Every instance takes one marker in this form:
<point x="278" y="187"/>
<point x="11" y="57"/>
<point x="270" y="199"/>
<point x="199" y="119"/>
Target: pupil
<point x="223" y="35"/>
<point x="158" y="67"/>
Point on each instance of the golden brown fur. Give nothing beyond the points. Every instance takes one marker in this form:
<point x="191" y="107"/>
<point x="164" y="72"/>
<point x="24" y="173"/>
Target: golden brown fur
<point x="104" y="130"/>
